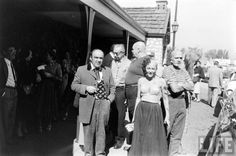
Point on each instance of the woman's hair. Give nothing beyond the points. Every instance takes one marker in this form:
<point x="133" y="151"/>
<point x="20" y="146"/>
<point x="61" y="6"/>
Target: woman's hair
<point x="146" y="62"/>
<point x="52" y="54"/>
<point x="6" y="52"/>
<point x="25" y="53"/>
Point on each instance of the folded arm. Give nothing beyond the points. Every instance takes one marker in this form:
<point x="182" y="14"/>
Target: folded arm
<point x="165" y="100"/>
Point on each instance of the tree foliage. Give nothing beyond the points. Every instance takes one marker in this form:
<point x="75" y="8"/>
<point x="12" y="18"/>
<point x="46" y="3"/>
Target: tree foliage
<point x="192" y="54"/>
<point x="217" y="54"/>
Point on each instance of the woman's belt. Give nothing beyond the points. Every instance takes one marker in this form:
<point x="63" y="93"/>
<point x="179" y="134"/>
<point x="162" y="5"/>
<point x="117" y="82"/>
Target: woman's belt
<point x="10" y="87"/>
<point x="131" y="85"/>
<point x="182" y="96"/>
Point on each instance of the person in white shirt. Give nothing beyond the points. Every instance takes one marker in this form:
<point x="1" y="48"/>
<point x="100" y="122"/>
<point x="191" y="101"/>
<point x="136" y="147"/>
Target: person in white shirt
<point x="119" y="68"/>
<point x="8" y="97"/>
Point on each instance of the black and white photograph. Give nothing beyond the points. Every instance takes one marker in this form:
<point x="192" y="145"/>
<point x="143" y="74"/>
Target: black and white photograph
<point x="117" y="77"/>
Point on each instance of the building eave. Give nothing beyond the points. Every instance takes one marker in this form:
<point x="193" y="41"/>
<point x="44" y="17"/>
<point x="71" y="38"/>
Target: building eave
<point x="113" y="12"/>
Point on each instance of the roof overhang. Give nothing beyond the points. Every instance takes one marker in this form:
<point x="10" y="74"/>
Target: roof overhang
<point x="110" y="20"/>
<point x="116" y="14"/>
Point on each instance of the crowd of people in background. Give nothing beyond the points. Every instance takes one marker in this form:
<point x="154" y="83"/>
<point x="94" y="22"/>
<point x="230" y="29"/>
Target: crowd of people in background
<point x="35" y="91"/>
<point x="150" y="108"/>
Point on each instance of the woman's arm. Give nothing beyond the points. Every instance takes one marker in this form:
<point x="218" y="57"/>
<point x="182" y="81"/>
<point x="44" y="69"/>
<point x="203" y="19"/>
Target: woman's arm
<point x="165" y="101"/>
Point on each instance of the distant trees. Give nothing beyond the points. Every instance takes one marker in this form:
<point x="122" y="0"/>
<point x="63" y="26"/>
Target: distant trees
<point x="217" y="54"/>
<point x="192" y="54"/>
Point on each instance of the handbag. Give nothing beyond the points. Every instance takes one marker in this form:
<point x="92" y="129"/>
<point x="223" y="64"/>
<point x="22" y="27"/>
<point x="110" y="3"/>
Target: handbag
<point x="129" y="132"/>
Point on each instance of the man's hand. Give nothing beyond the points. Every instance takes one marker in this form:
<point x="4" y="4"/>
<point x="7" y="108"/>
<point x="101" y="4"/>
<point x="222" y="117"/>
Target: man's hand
<point x="109" y="102"/>
<point x="91" y="89"/>
<point x="167" y="122"/>
<point x="181" y="85"/>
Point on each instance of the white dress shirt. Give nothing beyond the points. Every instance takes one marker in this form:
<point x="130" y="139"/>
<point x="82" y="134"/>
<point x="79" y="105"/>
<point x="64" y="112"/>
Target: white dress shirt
<point x="10" y="79"/>
<point x="100" y="72"/>
<point x="119" y="70"/>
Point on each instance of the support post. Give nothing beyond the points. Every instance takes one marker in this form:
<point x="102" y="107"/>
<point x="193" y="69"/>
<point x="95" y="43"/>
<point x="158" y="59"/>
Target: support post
<point x="174" y="32"/>
<point x="126" y="38"/>
<point x="90" y="14"/>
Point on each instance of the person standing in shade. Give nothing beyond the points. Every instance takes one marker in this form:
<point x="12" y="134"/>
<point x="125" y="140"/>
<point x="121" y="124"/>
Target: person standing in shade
<point x="96" y="87"/>
<point x="214" y="84"/>
<point x="51" y="77"/>
<point x="26" y="79"/>
<point x="178" y="83"/>
<point x="109" y="57"/>
<point x="119" y="67"/>
<point x="133" y="74"/>
<point x="149" y="137"/>
<point x="8" y="97"/>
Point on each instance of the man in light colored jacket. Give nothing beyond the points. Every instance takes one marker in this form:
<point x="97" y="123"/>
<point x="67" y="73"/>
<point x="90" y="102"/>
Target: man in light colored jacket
<point x="215" y="83"/>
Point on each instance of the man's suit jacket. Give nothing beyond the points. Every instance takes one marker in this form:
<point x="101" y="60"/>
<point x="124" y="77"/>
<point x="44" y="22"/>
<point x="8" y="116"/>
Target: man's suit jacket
<point x="3" y="75"/>
<point x="107" y="60"/>
<point x="85" y="77"/>
<point x="215" y="77"/>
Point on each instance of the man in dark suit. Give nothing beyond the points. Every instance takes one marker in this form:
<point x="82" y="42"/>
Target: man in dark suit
<point x="8" y="96"/>
<point x="96" y="87"/>
<point x="109" y="57"/>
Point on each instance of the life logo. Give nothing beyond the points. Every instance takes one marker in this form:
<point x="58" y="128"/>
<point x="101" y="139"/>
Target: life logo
<point x="225" y="145"/>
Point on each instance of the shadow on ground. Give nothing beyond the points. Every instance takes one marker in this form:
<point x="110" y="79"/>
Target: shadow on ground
<point x="206" y="142"/>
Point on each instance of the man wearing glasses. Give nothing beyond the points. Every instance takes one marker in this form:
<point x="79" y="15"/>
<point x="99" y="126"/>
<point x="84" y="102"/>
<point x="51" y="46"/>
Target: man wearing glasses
<point x="119" y="67"/>
<point x="178" y="83"/>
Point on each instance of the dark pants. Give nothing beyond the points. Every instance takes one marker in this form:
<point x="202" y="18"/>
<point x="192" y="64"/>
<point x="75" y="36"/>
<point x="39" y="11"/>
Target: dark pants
<point x="7" y="112"/>
<point x="120" y="105"/>
<point x="177" y="109"/>
<point x="131" y="95"/>
<point x="95" y="131"/>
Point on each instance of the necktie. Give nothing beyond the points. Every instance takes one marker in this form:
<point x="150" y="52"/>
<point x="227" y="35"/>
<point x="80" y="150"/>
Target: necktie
<point x="96" y="70"/>
<point x="13" y="72"/>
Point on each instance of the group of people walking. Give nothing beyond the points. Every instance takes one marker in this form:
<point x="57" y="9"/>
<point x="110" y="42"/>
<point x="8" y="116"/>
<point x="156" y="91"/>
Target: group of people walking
<point x="133" y="86"/>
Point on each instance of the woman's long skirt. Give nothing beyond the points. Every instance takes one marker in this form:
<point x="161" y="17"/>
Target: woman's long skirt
<point x="149" y="137"/>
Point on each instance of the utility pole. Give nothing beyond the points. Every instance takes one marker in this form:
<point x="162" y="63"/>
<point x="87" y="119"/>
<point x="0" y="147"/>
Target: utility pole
<point x="175" y="25"/>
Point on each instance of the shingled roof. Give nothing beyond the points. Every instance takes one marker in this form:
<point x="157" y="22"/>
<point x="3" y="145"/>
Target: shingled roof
<point x="155" y="22"/>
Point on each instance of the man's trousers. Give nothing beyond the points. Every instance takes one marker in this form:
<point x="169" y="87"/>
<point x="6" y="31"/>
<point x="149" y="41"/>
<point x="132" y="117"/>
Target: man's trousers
<point x="213" y="93"/>
<point x="177" y="108"/>
<point x="120" y="100"/>
<point x="131" y="95"/>
<point x="94" y="132"/>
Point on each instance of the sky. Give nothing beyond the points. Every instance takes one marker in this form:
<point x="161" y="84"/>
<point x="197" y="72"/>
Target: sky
<point x="206" y="24"/>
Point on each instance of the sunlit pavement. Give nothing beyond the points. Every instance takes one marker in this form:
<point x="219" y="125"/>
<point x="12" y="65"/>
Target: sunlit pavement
<point x="199" y="122"/>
